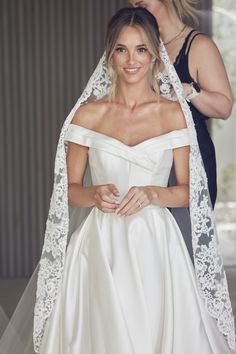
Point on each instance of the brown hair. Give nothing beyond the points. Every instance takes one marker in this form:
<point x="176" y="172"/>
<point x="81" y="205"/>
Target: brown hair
<point x="146" y="23"/>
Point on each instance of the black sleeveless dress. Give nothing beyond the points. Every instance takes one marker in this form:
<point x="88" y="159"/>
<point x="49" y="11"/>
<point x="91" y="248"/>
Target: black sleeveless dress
<point x="204" y="140"/>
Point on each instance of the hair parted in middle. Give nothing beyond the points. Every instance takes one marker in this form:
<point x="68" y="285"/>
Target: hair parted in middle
<point x="146" y="23"/>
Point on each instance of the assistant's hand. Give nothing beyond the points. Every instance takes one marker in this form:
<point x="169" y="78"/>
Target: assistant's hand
<point x="105" y="197"/>
<point x="187" y="89"/>
<point x="136" y="199"/>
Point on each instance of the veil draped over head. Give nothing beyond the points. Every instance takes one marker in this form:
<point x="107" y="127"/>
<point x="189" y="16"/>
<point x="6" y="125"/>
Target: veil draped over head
<point x="62" y="221"/>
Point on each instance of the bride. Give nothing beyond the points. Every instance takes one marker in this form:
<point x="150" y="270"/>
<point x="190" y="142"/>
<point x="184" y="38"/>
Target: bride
<point x="125" y="283"/>
<point x="128" y="282"/>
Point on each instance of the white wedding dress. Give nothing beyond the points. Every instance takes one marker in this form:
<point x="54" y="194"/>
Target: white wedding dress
<point x="129" y="285"/>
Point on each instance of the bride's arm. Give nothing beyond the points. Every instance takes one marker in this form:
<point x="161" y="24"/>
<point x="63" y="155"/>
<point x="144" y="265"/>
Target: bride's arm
<point x="79" y="196"/>
<point x="103" y="197"/>
<point x="176" y="196"/>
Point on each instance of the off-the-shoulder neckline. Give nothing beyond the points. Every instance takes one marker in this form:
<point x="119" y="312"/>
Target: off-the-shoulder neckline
<point x="149" y="140"/>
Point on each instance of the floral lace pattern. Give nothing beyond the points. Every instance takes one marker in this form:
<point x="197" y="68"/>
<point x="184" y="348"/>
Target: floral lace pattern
<point x="208" y="263"/>
<point x="165" y="86"/>
<point x="53" y="254"/>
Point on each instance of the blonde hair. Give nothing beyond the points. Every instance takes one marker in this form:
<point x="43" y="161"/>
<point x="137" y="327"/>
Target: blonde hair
<point x="146" y="24"/>
<point x="186" y="10"/>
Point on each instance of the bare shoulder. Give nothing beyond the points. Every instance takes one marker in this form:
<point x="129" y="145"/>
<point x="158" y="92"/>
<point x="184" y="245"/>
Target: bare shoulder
<point x="172" y="115"/>
<point x="90" y="114"/>
<point x="203" y="45"/>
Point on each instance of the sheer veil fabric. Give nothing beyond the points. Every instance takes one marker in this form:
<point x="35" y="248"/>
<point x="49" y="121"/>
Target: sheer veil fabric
<point x="62" y="221"/>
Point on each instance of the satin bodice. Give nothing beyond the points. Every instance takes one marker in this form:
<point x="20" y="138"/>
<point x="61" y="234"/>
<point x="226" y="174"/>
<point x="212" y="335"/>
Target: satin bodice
<point x="111" y="161"/>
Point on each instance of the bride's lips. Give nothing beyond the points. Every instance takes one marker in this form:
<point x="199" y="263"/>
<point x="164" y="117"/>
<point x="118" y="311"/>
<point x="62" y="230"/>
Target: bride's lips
<point x="132" y="71"/>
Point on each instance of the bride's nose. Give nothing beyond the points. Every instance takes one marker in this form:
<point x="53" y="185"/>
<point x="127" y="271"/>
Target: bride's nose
<point x="131" y="58"/>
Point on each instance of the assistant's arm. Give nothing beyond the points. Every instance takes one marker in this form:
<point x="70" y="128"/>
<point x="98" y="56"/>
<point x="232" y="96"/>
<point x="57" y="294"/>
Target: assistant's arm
<point x="207" y="68"/>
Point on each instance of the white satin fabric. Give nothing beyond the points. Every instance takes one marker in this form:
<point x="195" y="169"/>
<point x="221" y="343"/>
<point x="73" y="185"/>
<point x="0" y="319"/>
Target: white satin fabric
<point x="129" y="285"/>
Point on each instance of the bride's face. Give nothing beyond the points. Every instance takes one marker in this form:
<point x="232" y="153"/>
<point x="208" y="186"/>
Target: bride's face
<point x="157" y="8"/>
<point x="131" y="58"/>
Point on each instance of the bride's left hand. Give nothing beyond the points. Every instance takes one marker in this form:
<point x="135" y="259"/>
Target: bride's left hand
<point x="136" y="199"/>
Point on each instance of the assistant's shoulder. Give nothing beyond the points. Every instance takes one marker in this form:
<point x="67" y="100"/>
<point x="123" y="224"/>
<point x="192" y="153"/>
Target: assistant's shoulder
<point x="89" y="114"/>
<point x="203" y="44"/>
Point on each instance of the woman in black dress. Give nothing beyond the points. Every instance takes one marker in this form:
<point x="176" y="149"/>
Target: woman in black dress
<point x="201" y="70"/>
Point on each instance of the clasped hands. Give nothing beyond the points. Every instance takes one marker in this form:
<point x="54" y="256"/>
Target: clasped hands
<point x="137" y="198"/>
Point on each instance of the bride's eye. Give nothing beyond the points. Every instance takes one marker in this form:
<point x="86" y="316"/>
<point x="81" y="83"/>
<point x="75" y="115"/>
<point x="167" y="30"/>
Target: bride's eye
<point x="120" y="50"/>
<point x="142" y="50"/>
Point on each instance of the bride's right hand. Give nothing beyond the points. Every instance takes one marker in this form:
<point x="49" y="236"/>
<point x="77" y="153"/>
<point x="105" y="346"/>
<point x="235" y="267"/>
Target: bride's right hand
<point x="105" y="197"/>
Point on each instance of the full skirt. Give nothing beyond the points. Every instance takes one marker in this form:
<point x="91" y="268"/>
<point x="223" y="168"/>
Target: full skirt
<point x="129" y="287"/>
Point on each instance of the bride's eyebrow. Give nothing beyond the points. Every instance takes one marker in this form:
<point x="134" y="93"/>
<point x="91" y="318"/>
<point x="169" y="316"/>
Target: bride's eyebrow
<point x="137" y="46"/>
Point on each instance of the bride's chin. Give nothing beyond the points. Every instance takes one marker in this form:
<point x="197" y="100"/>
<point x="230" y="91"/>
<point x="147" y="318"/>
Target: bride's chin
<point x="132" y="79"/>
